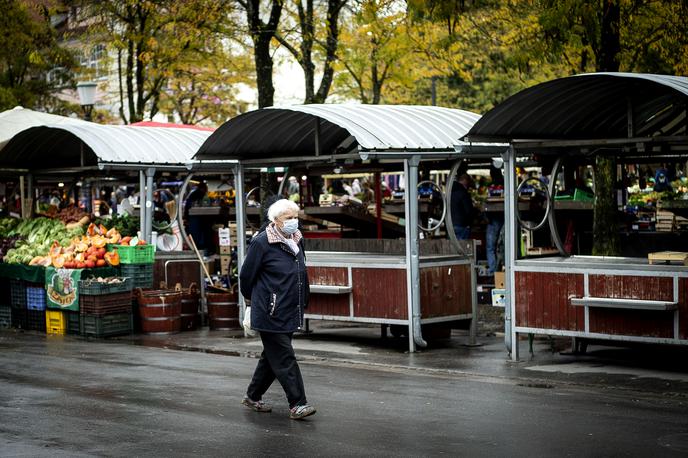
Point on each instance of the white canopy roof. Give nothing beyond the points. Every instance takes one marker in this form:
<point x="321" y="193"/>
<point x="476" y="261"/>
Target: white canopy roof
<point x="18" y="118"/>
<point x="89" y="144"/>
<point x="301" y="130"/>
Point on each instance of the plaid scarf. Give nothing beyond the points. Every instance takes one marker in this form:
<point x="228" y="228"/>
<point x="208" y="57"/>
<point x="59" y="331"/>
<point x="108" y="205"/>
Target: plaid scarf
<point x="276" y="236"/>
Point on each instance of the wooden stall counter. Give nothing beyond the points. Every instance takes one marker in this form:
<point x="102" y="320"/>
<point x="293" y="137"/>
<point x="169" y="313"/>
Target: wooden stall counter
<point x="613" y="298"/>
<point x="372" y="288"/>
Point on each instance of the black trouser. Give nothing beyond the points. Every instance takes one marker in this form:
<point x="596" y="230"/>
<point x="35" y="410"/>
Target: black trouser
<point x="277" y="361"/>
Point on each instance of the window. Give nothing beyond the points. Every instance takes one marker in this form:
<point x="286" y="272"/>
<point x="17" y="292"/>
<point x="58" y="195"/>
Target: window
<point x="95" y="62"/>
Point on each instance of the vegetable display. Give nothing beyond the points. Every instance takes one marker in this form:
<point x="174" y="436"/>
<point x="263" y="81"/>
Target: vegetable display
<point x="125" y="225"/>
<point x="7" y="225"/>
<point x="37" y="236"/>
<point x="7" y="244"/>
<point x="51" y="243"/>
<point x="87" y="251"/>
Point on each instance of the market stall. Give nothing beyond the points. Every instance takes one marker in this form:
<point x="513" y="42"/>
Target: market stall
<point x="420" y="288"/>
<point x="64" y="247"/>
<point x="631" y="119"/>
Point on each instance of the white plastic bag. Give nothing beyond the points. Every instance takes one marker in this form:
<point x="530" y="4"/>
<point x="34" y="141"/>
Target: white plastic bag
<point x="247" y="322"/>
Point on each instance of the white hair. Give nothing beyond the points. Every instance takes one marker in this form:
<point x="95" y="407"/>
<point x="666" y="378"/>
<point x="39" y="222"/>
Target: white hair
<point x="280" y="207"/>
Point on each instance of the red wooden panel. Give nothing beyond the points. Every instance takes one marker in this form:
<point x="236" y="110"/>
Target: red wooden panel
<point x="443" y="293"/>
<point x="645" y="323"/>
<point x="632" y="287"/>
<point x="329" y="304"/>
<point x="380" y="293"/>
<point x="333" y="276"/>
<point x="542" y="300"/>
<point x="632" y="322"/>
<point x="521" y="298"/>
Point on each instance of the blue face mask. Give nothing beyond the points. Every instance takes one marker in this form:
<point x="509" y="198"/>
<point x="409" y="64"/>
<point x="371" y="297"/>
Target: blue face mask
<point x="290" y="226"/>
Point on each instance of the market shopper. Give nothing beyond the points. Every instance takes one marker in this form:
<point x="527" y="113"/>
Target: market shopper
<point x="462" y="210"/>
<point x="274" y="279"/>
<point x="495" y="223"/>
<point x="195" y="224"/>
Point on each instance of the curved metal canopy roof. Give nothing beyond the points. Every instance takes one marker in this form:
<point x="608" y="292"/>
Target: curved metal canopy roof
<point x="590" y="106"/>
<point x="61" y="146"/>
<point x="297" y="131"/>
<point x="19" y="118"/>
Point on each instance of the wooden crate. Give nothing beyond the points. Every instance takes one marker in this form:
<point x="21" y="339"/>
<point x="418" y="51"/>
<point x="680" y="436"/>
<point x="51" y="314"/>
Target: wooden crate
<point x="660" y="257"/>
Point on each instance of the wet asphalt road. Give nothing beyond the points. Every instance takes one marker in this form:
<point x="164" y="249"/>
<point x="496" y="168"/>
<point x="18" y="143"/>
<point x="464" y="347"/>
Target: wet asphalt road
<point x="66" y="397"/>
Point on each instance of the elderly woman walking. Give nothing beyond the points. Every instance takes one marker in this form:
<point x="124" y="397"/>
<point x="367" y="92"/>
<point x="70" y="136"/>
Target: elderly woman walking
<point x="273" y="277"/>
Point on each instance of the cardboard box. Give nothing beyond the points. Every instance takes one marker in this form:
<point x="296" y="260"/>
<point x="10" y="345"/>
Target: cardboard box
<point x="224" y="238"/>
<point x="225" y="249"/>
<point x="498" y="297"/>
<point x="224" y="264"/>
<point x="499" y="280"/>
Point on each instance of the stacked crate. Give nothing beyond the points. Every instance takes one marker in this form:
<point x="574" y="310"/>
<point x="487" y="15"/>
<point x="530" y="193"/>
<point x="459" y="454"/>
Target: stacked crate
<point x="105" y="308"/>
<point x="35" y="306"/>
<point x="19" y="315"/>
<point x="665" y="221"/>
<point x="136" y="263"/>
<point x="5" y="303"/>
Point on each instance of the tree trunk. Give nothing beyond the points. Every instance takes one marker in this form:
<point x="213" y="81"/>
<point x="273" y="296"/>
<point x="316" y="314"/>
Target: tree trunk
<point x="262" y="35"/>
<point x="333" y="9"/>
<point x="263" y="61"/>
<point x="605" y="227"/>
<point x="610" y="42"/>
<point x="130" y="82"/>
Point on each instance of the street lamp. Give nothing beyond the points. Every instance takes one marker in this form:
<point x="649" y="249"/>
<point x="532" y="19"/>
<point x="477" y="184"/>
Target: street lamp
<point x="87" y="96"/>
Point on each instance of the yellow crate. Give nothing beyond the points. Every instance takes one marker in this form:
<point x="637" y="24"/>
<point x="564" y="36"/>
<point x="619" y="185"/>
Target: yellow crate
<point x="55" y="322"/>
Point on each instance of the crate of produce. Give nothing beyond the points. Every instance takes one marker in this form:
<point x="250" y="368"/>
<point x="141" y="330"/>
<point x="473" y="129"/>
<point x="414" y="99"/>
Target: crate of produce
<point x="138" y="254"/>
<point x="18" y="294"/>
<point x="35" y="320"/>
<point x="102" y="286"/>
<point x="105" y="304"/>
<point x="141" y="275"/>
<point x="73" y="322"/>
<point x="5" y="316"/>
<point x="106" y="326"/>
<point x="55" y="322"/>
<point x="35" y="296"/>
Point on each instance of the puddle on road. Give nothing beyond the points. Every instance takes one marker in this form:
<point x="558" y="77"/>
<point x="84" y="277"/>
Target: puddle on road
<point x="676" y="442"/>
<point x="536" y="385"/>
<point x="169" y="346"/>
<point x="583" y="368"/>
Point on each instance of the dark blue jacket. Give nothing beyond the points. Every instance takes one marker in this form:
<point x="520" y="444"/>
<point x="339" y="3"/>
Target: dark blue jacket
<point x="276" y="282"/>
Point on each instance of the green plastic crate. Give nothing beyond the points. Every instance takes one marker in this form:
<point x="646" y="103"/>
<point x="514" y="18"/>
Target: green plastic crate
<point x="73" y="322"/>
<point x="141" y="275"/>
<point x="139" y="254"/>
<point x="116" y="324"/>
<point x="94" y="288"/>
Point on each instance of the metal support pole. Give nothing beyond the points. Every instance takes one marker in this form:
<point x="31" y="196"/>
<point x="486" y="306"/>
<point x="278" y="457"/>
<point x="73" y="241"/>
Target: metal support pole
<point x="510" y="246"/>
<point x="150" y="173"/>
<point x="473" y="330"/>
<point x="412" y="255"/>
<point x="378" y="204"/>
<point x="142" y="206"/>
<point x="30" y="193"/>
<point x="22" y="197"/>
<point x="240" y="202"/>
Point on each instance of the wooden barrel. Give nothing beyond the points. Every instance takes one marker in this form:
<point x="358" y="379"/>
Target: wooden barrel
<point x="160" y="311"/>
<point x="190" y="300"/>
<point x="223" y="311"/>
